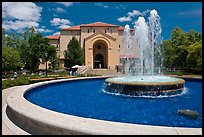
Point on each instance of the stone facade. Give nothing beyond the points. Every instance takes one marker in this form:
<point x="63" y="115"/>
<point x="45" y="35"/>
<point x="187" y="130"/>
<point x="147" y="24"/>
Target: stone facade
<point x="101" y="43"/>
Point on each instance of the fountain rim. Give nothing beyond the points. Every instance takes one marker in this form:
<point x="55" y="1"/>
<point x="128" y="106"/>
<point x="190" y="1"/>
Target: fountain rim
<point x="143" y="83"/>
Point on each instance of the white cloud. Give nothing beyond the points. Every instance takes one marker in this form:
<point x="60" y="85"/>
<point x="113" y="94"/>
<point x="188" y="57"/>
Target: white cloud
<point x="18" y="25"/>
<point x="26" y="11"/>
<point x="60" y="23"/>
<point x="191" y="13"/>
<point x="66" y="4"/>
<point x="132" y="14"/>
<point x="17" y="16"/>
<point x="120" y="7"/>
<point x="59" y="10"/>
<point x="99" y="4"/>
<point x="123" y="19"/>
<point x="64" y="26"/>
<point x="43" y="30"/>
<point x="105" y="6"/>
<point x="56" y="33"/>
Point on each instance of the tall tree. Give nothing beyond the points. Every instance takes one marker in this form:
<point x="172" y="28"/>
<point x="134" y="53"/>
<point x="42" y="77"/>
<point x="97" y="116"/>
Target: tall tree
<point x="11" y="59"/>
<point x="180" y="50"/>
<point x="178" y="37"/>
<point x="194" y="58"/>
<point x="49" y="53"/>
<point x="73" y="54"/>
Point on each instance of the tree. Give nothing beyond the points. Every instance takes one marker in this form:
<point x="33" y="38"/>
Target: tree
<point x="51" y="55"/>
<point x="180" y="50"/>
<point x="178" y="37"/>
<point x="11" y="59"/>
<point x="167" y="53"/>
<point x="3" y="36"/>
<point x="73" y="54"/>
<point x="32" y="47"/>
<point x="194" y="36"/>
<point x="194" y="58"/>
<point x="179" y="57"/>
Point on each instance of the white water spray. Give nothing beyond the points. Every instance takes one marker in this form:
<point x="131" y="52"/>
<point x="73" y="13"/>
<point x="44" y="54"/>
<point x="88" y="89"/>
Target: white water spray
<point x="140" y="54"/>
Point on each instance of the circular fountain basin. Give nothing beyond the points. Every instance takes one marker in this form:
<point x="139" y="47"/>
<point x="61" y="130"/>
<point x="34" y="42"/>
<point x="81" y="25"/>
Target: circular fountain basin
<point x="145" y="85"/>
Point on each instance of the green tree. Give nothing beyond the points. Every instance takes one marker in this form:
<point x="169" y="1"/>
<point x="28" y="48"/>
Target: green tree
<point x="3" y="36"/>
<point x="51" y="55"/>
<point x="194" y="58"/>
<point x="194" y="36"/>
<point x="178" y="37"/>
<point x="167" y="53"/>
<point x="176" y="50"/>
<point x="32" y="47"/>
<point x="73" y="54"/>
<point x="11" y="59"/>
<point x="179" y="57"/>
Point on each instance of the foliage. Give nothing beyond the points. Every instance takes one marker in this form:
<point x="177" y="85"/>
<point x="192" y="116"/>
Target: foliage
<point x="15" y="82"/>
<point x="32" y="47"/>
<point x="194" y="58"/>
<point x="73" y="54"/>
<point x="10" y="59"/>
<point x="183" y="49"/>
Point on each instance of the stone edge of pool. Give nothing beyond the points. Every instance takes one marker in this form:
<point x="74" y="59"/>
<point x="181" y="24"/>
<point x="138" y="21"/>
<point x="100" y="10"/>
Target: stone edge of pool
<point x="38" y="120"/>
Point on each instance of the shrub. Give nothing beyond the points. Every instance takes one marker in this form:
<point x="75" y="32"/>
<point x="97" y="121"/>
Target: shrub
<point x="180" y="73"/>
<point x="15" y="82"/>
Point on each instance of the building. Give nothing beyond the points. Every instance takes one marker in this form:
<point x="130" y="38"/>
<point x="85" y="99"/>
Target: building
<point x="101" y="43"/>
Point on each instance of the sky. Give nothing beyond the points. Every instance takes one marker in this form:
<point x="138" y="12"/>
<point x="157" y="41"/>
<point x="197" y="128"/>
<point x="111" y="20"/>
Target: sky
<point x="49" y="17"/>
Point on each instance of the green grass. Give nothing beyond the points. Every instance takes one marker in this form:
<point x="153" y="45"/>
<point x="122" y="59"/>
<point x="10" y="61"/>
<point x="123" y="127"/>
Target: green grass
<point x="15" y="82"/>
<point x="25" y="79"/>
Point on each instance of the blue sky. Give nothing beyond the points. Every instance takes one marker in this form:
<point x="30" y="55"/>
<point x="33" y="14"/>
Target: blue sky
<point x="49" y="17"/>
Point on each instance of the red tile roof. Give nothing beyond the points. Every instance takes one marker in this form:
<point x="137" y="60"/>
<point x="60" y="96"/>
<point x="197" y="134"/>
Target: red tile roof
<point x="95" y="24"/>
<point x="99" y="24"/>
<point x="121" y="28"/>
<point x="54" y="37"/>
<point x="72" y="28"/>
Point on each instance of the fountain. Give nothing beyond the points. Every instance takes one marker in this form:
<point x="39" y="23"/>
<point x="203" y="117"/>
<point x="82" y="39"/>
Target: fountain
<point x="141" y="61"/>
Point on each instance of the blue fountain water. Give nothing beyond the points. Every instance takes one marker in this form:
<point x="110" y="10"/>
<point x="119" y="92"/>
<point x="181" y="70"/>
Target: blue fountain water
<point x="77" y="98"/>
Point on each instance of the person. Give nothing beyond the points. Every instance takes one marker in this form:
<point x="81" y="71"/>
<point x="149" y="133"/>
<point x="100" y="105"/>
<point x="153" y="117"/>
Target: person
<point x="117" y="68"/>
<point x="100" y="65"/>
<point x="70" y="73"/>
<point x="15" y="75"/>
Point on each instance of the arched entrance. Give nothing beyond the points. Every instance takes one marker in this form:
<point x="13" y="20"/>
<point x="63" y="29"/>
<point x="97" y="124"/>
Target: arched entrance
<point x="99" y="61"/>
<point x="100" y="54"/>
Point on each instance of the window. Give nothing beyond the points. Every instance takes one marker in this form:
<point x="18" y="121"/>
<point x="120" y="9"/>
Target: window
<point x="105" y="30"/>
<point x="119" y="46"/>
<point x="94" y="30"/>
<point x="88" y="30"/>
